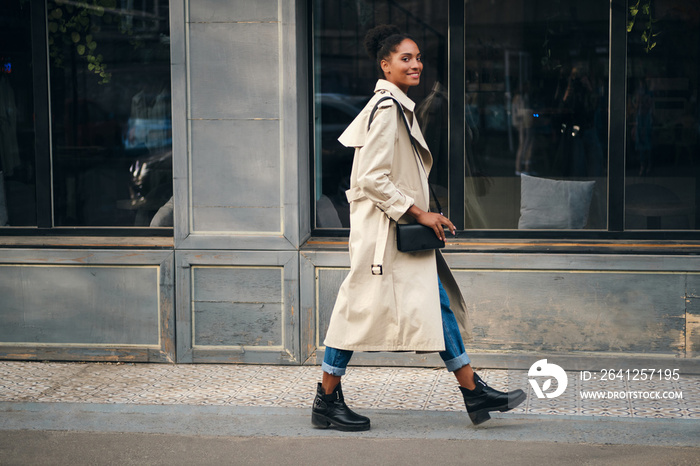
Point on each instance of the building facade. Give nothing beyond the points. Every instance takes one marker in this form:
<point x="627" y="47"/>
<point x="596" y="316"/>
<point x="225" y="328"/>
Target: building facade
<point x="172" y="186"/>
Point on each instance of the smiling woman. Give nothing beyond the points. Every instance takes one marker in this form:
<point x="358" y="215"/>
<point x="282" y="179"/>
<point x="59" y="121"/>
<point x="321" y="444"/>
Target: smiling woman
<point x="399" y="60"/>
<point x="404" y="67"/>
<point x="393" y="300"/>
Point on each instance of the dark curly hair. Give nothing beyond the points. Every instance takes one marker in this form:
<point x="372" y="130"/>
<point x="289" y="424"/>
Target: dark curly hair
<point x="381" y="41"/>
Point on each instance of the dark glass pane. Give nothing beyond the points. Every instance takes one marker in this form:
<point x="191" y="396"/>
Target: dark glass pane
<point x="110" y="105"/>
<point x="662" y="185"/>
<point x="17" y="160"/>
<point x="536" y="92"/>
<point x="344" y="81"/>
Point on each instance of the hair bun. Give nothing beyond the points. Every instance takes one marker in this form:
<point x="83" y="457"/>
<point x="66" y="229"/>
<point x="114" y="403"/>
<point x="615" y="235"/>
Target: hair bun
<point x="375" y="36"/>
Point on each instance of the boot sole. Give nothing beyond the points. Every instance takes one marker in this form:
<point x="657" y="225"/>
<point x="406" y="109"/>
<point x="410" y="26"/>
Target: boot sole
<point x="322" y="422"/>
<point x="481" y="416"/>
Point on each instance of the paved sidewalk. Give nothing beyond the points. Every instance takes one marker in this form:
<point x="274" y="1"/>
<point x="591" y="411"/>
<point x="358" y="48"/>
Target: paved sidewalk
<point x="294" y="387"/>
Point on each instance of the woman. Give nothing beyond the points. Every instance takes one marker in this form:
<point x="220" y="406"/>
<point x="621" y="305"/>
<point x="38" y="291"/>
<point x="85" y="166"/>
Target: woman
<point x="391" y="300"/>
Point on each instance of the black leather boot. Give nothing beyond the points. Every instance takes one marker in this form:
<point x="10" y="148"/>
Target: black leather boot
<point x="484" y="399"/>
<point x="331" y="411"/>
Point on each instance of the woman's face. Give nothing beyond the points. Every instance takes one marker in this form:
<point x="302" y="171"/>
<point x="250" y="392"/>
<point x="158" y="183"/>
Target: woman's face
<point x="404" y="65"/>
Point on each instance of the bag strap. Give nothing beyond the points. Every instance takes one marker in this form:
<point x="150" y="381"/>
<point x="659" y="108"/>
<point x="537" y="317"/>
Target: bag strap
<point x="413" y="144"/>
<point x="384" y="222"/>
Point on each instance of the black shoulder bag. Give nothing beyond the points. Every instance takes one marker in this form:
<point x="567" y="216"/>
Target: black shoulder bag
<point x="413" y="236"/>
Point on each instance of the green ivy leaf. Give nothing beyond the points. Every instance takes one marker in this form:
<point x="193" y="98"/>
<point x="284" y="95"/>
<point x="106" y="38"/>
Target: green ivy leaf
<point x="56" y="13"/>
<point x="75" y="36"/>
<point x="91" y="67"/>
<point x="81" y="50"/>
<point x="53" y="27"/>
<point x="92" y="45"/>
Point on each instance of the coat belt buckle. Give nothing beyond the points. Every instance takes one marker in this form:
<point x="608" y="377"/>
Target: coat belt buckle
<point x="377" y="269"/>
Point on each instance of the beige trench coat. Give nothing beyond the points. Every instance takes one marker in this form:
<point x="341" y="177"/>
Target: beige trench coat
<point x="398" y="310"/>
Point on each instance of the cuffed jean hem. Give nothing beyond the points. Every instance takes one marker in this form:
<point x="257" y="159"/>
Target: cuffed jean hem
<point x="458" y="362"/>
<point x="337" y="371"/>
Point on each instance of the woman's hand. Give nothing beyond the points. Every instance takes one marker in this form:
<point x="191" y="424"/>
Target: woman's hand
<point x="432" y="220"/>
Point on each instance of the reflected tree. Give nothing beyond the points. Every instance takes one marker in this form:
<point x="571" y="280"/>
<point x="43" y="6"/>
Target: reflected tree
<point x="72" y="25"/>
<point x="641" y="13"/>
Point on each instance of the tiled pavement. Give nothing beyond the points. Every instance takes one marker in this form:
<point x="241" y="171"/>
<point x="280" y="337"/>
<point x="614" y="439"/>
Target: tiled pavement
<point x="294" y="386"/>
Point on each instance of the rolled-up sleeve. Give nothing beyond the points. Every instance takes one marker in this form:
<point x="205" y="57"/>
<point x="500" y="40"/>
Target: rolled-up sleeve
<point x="375" y="159"/>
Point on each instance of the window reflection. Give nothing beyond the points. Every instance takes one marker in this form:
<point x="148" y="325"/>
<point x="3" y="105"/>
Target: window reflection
<point x="110" y="103"/>
<point x="17" y="175"/>
<point x="536" y="93"/>
<point x="663" y="118"/>
<point x="345" y="79"/>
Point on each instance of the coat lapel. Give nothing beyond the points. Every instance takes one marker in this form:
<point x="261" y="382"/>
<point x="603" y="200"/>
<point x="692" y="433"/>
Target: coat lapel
<point x="356" y="132"/>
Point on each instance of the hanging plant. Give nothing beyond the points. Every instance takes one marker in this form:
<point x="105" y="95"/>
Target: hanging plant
<point x="70" y="25"/>
<point x="641" y="13"/>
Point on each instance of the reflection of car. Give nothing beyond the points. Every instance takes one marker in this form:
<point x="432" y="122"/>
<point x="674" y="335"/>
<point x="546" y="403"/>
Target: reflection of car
<point x="88" y="124"/>
<point x="335" y="112"/>
<point x="149" y="132"/>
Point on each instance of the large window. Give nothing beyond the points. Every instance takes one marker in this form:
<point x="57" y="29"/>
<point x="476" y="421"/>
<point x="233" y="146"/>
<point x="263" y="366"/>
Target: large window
<point x="536" y="105"/>
<point x="88" y="85"/>
<point x="17" y="139"/>
<point x="522" y="105"/>
<point x="345" y="78"/>
<point x="663" y="116"/>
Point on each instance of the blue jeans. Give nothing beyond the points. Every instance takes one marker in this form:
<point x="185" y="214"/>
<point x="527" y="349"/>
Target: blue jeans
<point x="335" y="361"/>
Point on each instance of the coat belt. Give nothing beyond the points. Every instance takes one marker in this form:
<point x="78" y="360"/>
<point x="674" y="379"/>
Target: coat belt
<point x="382" y="238"/>
<point x="355" y="194"/>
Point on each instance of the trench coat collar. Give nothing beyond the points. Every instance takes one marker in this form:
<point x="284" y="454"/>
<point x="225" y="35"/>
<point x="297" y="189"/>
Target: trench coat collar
<point x="398" y="94"/>
<point x="356" y="133"/>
